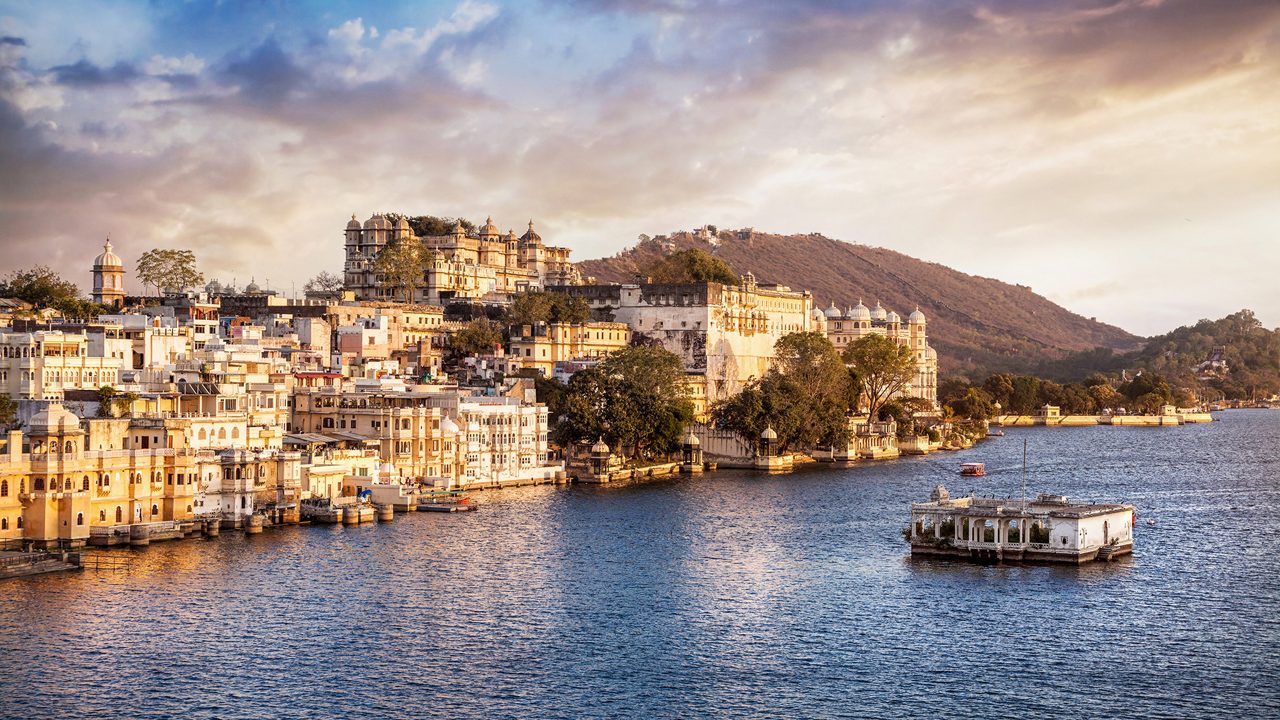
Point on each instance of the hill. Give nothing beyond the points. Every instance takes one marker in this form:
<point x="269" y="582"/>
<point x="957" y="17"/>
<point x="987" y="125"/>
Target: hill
<point x="1235" y="356"/>
<point x="978" y="325"/>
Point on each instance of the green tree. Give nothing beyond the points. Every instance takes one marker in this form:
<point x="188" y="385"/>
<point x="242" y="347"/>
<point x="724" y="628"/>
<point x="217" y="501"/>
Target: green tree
<point x="478" y="337"/>
<point x="430" y="225"/>
<point x="39" y="286"/>
<point x="124" y="403"/>
<point x="8" y="412"/>
<point x="169" y="270"/>
<point x="805" y="397"/>
<point x="976" y="404"/>
<point x="106" y="400"/>
<point x="536" y="306"/>
<point x="882" y="367"/>
<point x="402" y="264"/>
<point x="324" y="282"/>
<point x="692" y="266"/>
<point x="635" y="400"/>
<point x="1105" y="397"/>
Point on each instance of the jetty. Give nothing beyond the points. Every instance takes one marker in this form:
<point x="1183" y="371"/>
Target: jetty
<point x="1050" y="528"/>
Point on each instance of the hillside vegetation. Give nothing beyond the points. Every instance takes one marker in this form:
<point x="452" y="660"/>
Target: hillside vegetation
<point x="978" y="325"/>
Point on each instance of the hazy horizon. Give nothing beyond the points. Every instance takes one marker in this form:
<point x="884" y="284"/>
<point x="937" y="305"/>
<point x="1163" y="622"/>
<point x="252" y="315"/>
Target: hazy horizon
<point x="1120" y="158"/>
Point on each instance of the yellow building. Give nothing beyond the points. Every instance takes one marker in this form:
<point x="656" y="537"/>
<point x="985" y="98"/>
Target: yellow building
<point x="54" y="490"/>
<point x="540" y="346"/>
<point x="467" y="266"/>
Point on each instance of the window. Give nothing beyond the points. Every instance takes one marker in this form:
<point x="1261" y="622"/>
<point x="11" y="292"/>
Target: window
<point x="119" y="514"/>
<point x="79" y="518"/>
<point x="155" y="509"/>
<point x="84" y="484"/>
<point x="102" y="515"/>
<point x="4" y="523"/>
<point x="4" y="488"/>
<point x="37" y="484"/>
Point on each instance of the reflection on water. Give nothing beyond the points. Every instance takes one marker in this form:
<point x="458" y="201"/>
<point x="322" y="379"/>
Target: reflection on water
<point x="733" y="595"/>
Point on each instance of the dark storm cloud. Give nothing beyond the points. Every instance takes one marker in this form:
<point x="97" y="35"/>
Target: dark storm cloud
<point x="267" y="75"/>
<point x="84" y="74"/>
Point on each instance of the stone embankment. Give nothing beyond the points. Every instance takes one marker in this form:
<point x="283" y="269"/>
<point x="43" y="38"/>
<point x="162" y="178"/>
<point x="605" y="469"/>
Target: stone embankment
<point x="1119" y="420"/>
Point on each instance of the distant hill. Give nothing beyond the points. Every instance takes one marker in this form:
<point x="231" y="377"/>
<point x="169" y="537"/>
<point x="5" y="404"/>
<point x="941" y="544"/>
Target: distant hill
<point x="977" y="325"/>
<point x="1236" y="356"/>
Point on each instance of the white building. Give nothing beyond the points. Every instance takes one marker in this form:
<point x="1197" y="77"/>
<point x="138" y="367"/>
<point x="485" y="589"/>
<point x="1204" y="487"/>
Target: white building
<point x="844" y="327"/>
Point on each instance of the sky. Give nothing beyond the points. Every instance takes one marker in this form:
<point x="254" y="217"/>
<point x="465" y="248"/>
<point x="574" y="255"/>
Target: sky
<point x="1119" y="157"/>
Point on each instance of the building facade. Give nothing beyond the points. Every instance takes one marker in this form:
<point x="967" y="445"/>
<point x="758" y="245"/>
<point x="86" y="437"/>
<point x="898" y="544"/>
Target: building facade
<point x="482" y="265"/>
<point x="844" y="327"/>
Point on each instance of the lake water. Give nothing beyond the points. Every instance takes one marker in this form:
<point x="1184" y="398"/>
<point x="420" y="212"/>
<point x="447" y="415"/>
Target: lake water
<point x="735" y="595"/>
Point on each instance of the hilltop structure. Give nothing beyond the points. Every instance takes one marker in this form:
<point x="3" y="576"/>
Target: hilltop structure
<point x="108" y="277"/>
<point x="485" y="265"/>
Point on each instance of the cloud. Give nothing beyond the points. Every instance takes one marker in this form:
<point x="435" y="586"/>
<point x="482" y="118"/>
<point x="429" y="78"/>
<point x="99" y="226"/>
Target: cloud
<point x="1041" y="143"/>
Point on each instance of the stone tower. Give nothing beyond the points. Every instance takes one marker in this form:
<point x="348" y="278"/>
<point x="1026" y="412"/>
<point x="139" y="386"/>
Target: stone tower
<point x="108" y="277"/>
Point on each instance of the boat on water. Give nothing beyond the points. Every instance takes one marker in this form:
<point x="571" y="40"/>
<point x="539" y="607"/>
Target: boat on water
<point x="995" y="432"/>
<point x="973" y="469"/>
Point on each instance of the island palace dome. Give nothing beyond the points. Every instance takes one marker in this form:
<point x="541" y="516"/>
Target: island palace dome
<point x="879" y="313"/>
<point x="859" y="312"/>
<point x="916" y="318"/>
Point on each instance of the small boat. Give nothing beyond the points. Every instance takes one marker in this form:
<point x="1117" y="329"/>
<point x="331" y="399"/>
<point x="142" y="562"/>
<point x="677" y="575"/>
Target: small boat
<point x="972" y="469"/>
<point x="995" y="432"/>
<point x="1151" y="522"/>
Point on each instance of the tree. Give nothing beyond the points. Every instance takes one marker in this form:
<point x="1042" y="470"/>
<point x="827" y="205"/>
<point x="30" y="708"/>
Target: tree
<point x="106" y="400"/>
<point x="535" y="307"/>
<point x="124" y="403"/>
<point x="430" y="225"/>
<point x="692" y="266"/>
<point x="478" y="337"/>
<point x="8" y="412"/>
<point x="39" y="286"/>
<point x="169" y="270"/>
<point x="635" y="400"/>
<point x="882" y="367"/>
<point x="975" y="405"/>
<point x="402" y="263"/>
<point x="805" y="397"/>
<point x="324" y="282"/>
<point x="1105" y="397"/>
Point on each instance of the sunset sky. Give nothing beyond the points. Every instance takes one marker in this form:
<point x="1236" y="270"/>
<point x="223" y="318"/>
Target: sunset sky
<point x="1121" y="158"/>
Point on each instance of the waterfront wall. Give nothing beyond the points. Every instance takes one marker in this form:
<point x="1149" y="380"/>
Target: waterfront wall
<point x="1083" y="420"/>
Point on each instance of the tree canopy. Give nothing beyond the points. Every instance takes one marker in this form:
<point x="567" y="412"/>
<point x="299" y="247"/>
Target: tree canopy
<point x="692" y="266"/>
<point x="427" y="225"/>
<point x="402" y="263"/>
<point x="324" y="282"/>
<point x="535" y="307"/>
<point x="478" y="337"/>
<point x="804" y="397"/>
<point x="881" y="367"/>
<point x="39" y="286"/>
<point x="635" y="400"/>
<point x="169" y="270"/>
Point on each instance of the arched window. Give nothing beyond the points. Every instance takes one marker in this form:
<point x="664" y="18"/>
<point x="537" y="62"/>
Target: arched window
<point x="188" y="508"/>
<point x="79" y="518"/>
<point x="155" y="509"/>
<point x="4" y="523"/>
<point x="222" y="433"/>
<point x="22" y="486"/>
<point x="37" y="484"/>
<point x="4" y="488"/>
<point x="19" y="522"/>
<point x="84" y="484"/>
<point x="102" y="516"/>
<point x="235" y="433"/>
<point x="69" y="448"/>
<point x="119" y="514"/>
<point x="203" y="435"/>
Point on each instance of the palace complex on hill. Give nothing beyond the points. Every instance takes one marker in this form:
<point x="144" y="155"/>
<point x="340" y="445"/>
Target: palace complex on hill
<point x="483" y="265"/>
<point x="845" y="327"/>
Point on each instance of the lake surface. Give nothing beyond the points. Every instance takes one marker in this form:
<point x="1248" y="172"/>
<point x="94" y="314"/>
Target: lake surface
<point x="735" y="595"/>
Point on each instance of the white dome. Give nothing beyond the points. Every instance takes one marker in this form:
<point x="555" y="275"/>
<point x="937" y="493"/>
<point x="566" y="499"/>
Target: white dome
<point x="931" y="353"/>
<point x="833" y="312"/>
<point x="916" y="318"/>
<point x="353" y="223"/>
<point x="893" y="318"/>
<point x="54" y="419"/>
<point x="769" y="434"/>
<point x="878" y="313"/>
<point x="108" y="259"/>
<point x="448" y="426"/>
<point x="859" y="312"/>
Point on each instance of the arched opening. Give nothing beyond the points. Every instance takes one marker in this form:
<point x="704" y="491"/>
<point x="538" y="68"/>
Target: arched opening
<point x="1015" y="532"/>
<point x="4" y="488"/>
<point x="84" y="483"/>
<point x="79" y="518"/>
<point x="69" y="448"/>
<point x="1039" y="533"/>
<point x="155" y="510"/>
<point x="987" y="531"/>
<point x="4" y="523"/>
<point x="37" y="484"/>
<point x="222" y="433"/>
<point x="119" y="514"/>
<point x="235" y="433"/>
<point x="19" y="522"/>
<point x="203" y="435"/>
<point x="102" y="516"/>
